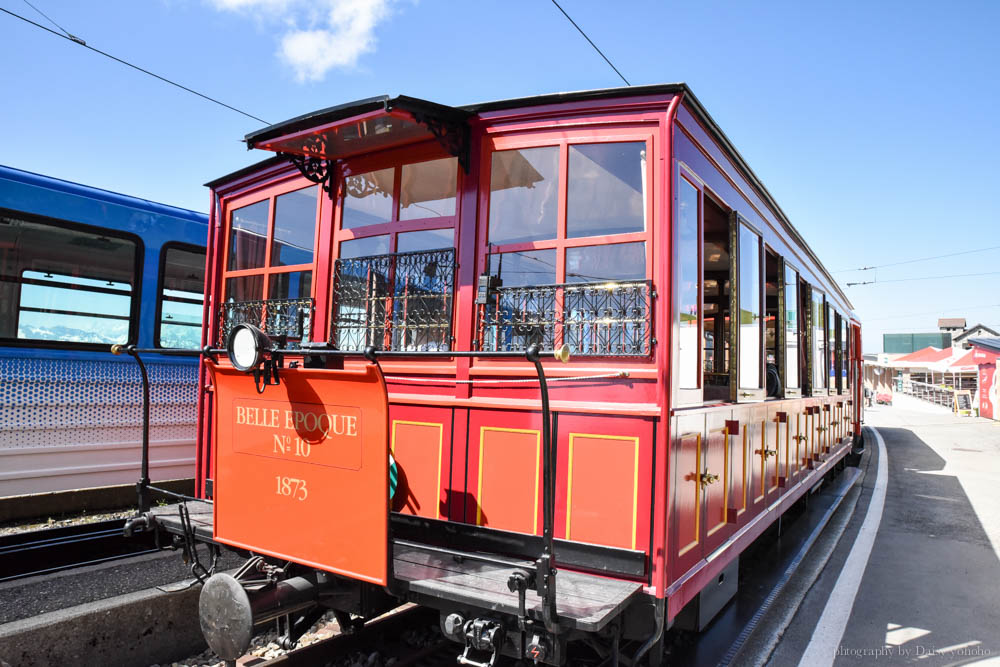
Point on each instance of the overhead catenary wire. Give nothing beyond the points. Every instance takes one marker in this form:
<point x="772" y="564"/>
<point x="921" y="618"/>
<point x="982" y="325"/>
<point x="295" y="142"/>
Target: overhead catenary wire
<point x="920" y="259"/>
<point x="81" y="42"/>
<point x="606" y="59"/>
<point x="906" y="280"/>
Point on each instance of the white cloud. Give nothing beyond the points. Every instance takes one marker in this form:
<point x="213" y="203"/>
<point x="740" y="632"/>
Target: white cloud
<point x="319" y="34"/>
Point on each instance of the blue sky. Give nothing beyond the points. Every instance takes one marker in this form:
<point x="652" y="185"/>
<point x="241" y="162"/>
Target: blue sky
<point x="873" y="124"/>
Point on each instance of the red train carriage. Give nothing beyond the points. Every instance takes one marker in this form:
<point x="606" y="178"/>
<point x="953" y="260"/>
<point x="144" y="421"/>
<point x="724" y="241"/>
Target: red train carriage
<point x="389" y="413"/>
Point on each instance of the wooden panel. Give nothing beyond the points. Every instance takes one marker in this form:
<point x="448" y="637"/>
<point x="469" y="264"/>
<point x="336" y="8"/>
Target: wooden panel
<point x="417" y="448"/>
<point x="717" y="463"/>
<point x="775" y="454"/>
<point x="758" y="443"/>
<point x="602" y="491"/>
<point x="509" y="478"/>
<point x="742" y="462"/>
<point x="687" y="466"/>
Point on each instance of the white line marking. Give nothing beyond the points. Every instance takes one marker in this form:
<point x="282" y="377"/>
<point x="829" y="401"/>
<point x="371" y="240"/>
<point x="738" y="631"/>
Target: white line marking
<point x="829" y="631"/>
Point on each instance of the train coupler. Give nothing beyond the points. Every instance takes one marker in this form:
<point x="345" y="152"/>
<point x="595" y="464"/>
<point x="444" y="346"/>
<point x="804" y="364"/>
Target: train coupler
<point x="481" y="635"/>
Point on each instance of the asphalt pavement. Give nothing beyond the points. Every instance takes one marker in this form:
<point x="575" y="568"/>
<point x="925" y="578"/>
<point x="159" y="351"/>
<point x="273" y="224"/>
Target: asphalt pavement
<point x="915" y="576"/>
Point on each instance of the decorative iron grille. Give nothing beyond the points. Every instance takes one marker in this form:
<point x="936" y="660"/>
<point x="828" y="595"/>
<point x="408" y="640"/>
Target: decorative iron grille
<point x="401" y="301"/>
<point x="275" y="317"/>
<point x="607" y="319"/>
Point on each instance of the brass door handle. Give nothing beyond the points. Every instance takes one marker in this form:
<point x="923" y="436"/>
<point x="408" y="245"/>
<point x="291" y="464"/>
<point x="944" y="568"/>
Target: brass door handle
<point x="798" y="438"/>
<point x="769" y="453"/>
<point x="707" y="478"/>
<point x="820" y="429"/>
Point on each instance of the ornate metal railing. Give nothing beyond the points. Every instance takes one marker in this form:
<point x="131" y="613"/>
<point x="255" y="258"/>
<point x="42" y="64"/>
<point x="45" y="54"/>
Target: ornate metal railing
<point x="401" y="301"/>
<point x="608" y="319"/>
<point x="276" y="317"/>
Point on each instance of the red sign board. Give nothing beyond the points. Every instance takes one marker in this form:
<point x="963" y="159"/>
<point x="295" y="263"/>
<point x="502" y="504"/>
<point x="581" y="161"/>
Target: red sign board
<point x="302" y="469"/>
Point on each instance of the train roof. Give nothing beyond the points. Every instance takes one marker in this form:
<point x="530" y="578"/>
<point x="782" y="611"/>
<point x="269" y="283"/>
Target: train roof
<point x="463" y="113"/>
<point x="78" y="189"/>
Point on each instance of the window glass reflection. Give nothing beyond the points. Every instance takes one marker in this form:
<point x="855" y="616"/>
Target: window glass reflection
<point x="819" y="342"/>
<point x="427" y="189"/>
<point x="791" y="329"/>
<point x="429" y="239"/>
<point x="181" y="299"/>
<point x="294" y="227"/>
<point x="524" y="194"/>
<point x="248" y="236"/>
<point x="245" y="288"/>
<point x="606" y="189"/>
<point x="368" y="198"/>
<point x="689" y="277"/>
<point x="371" y="245"/>
<point x="750" y="321"/>
<point x="618" y="261"/>
<point x="517" y="269"/>
<point x="292" y="285"/>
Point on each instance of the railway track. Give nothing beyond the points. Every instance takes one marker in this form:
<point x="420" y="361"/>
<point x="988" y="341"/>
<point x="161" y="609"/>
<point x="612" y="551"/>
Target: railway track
<point x="53" y="549"/>
<point x="409" y="638"/>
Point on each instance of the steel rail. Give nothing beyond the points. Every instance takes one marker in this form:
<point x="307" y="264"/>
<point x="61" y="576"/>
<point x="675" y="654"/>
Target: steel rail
<point x="47" y="550"/>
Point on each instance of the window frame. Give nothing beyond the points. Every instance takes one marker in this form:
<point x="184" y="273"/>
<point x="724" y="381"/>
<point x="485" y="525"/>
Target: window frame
<point x="161" y="273"/>
<point x="813" y="389"/>
<point x="737" y="392"/>
<point x="563" y="138"/>
<point x="396" y="159"/>
<point x="785" y="266"/>
<point x="691" y="394"/>
<point x="270" y="193"/>
<point x="137" y="276"/>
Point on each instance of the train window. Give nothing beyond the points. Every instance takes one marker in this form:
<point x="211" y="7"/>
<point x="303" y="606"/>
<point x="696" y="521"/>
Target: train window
<point x="365" y="247"/>
<point x="65" y="285"/>
<point x="615" y="261"/>
<point x="244" y="288"/>
<point x="831" y="347"/>
<point x="290" y="285"/>
<point x="181" y="298"/>
<point x="368" y="198"/>
<point x="393" y="285"/>
<point x="791" y="325"/>
<point x="524" y="195"/>
<point x="606" y="189"/>
<point x="520" y="269"/>
<point x="248" y="236"/>
<point x="294" y="227"/>
<point x="750" y="325"/>
<point x="689" y="283"/>
<point x="427" y="239"/>
<point x="717" y="264"/>
<point x="427" y="190"/>
<point x="844" y="357"/>
<point x="772" y="351"/>
<point x="569" y="263"/>
<point x="818" y="335"/>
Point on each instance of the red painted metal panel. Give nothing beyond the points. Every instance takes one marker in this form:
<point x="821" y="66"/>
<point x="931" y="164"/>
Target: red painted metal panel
<point x="303" y="469"/>
<point x="420" y="442"/>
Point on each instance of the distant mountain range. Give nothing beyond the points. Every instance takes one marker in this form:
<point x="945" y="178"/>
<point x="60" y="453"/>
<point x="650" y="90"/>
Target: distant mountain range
<point x="111" y="333"/>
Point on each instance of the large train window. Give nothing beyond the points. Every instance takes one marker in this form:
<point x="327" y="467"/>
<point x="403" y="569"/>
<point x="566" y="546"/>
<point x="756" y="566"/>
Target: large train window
<point x="181" y="299"/>
<point x="831" y="348"/>
<point x="844" y="357"/>
<point x="689" y="290"/>
<point x="66" y="285"/>
<point x="718" y="262"/>
<point x="818" y="336"/>
<point x="269" y="261"/>
<point x="750" y="329"/>
<point x="395" y="270"/>
<point x="569" y="262"/>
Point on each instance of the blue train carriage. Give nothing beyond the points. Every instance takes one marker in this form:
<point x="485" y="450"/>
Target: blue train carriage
<point x="81" y="269"/>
